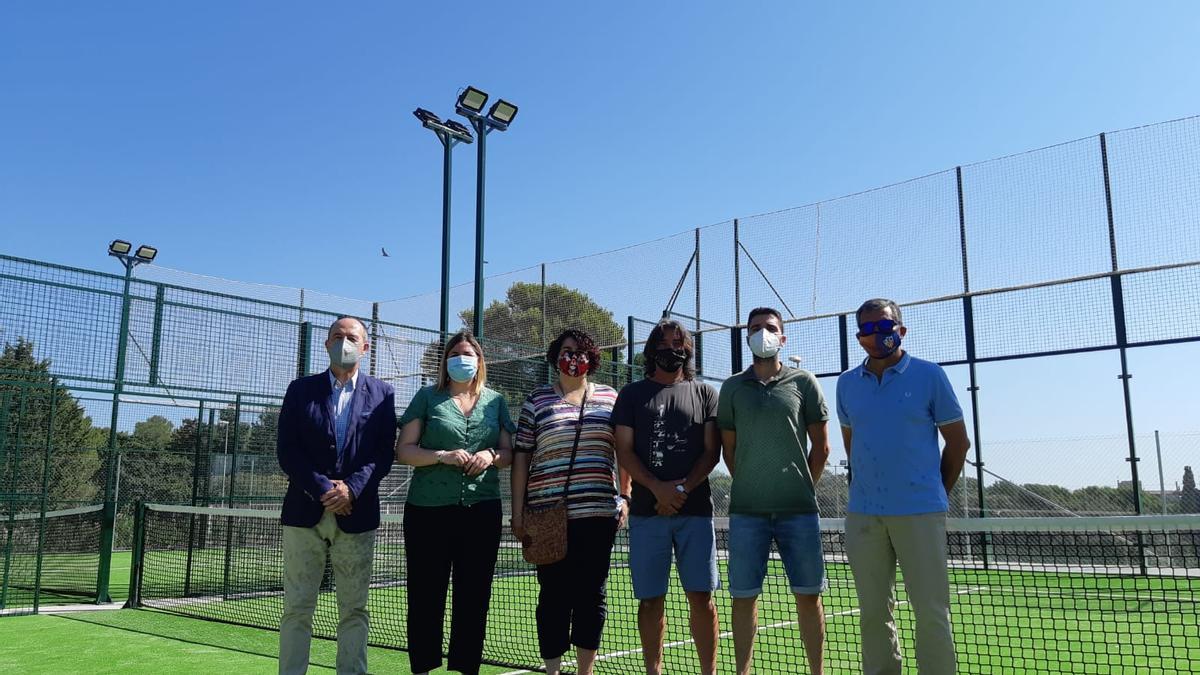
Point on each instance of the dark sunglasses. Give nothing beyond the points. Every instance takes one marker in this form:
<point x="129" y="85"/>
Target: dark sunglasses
<point x="882" y="327"/>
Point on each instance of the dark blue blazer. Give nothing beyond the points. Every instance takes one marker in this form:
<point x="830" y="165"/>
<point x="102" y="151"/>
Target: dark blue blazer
<point x="307" y="449"/>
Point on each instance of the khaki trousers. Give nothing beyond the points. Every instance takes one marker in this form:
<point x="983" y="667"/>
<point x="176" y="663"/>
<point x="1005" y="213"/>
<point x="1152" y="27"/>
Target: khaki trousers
<point x="873" y="545"/>
<point x="304" y="550"/>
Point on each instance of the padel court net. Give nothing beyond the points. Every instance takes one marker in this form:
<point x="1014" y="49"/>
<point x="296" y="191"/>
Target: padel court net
<point x="48" y="558"/>
<point x="1045" y="595"/>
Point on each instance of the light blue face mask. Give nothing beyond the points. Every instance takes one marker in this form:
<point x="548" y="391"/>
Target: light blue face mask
<point x="462" y="368"/>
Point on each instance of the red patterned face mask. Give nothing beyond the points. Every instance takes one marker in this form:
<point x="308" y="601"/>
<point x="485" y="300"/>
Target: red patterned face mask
<point x="573" y="364"/>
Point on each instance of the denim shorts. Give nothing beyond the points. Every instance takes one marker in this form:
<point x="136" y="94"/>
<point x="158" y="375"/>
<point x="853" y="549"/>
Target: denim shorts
<point x="652" y="540"/>
<point x="798" y="538"/>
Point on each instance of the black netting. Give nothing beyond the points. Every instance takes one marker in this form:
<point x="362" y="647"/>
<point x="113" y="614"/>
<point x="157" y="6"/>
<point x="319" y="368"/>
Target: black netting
<point x="1026" y="594"/>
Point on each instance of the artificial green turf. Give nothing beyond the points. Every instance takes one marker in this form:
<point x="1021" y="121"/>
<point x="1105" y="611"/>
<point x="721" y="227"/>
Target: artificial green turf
<point x="1004" y="621"/>
<point x="118" y="575"/>
<point x="143" y="641"/>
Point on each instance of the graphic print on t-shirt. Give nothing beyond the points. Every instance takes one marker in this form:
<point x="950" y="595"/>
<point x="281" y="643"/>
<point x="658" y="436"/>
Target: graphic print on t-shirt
<point x="664" y="440"/>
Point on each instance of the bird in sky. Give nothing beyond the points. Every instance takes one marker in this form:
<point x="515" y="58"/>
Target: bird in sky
<point x="384" y="252"/>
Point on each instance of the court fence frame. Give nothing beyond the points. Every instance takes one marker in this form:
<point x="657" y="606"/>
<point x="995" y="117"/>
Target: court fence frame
<point x="126" y="349"/>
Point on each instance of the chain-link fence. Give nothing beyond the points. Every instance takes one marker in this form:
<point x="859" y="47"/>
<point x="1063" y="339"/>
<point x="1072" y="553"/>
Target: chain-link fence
<point x="1043" y="282"/>
<point x="1081" y="260"/>
<point x="49" y="532"/>
<point x="180" y="404"/>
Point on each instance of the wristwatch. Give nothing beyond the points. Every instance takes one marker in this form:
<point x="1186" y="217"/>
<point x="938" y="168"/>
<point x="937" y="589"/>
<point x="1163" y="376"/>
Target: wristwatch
<point x="680" y="489"/>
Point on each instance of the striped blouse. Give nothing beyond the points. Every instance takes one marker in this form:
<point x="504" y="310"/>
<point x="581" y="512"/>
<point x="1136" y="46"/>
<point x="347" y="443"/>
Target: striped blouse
<point x="547" y="430"/>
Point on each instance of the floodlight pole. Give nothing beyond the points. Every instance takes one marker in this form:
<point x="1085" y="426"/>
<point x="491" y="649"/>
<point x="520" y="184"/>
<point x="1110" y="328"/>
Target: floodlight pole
<point x="109" y="515"/>
<point x="482" y="128"/>
<point x="448" y="144"/>
<point x="449" y="134"/>
<point x="483" y="124"/>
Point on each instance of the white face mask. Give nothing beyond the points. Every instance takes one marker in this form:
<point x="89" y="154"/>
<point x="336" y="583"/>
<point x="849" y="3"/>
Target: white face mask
<point x="344" y="353"/>
<point x="765" y="344"/>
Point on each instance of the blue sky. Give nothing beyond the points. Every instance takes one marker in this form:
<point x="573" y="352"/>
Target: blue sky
<point x="273" y="142"/>
<point x="265" y="141"/>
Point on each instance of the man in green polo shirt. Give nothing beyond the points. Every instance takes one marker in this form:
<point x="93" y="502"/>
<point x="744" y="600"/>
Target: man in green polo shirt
<point x="767" y="415"/>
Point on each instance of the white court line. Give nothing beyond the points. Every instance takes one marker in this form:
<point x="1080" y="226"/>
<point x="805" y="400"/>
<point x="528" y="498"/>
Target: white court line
<point x="728" y="634"/>
<point x="1097" y="593"/>
<point x="83" y="607"/>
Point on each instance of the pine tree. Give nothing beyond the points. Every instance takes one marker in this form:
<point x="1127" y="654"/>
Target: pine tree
<point x="26" y="397"/>
<point x="1189" y="497"/>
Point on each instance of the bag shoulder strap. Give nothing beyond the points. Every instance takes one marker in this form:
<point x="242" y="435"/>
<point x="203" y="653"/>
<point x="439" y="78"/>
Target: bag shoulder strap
<point x="575" y="445"/>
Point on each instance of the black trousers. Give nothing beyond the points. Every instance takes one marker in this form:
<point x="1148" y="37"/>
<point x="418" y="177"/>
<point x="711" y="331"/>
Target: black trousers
<point x="441" y="541"/>
<point x="572" y="603"/>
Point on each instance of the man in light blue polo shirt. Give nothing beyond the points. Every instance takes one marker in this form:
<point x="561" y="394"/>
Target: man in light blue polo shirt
<point x="892" y="408"/>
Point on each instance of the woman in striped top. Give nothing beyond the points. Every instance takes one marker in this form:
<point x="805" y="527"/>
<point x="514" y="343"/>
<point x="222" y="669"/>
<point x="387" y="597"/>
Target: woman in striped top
<point x="571" y="605"/>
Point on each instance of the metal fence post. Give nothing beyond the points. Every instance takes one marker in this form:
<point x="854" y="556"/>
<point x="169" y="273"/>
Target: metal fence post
<point x="1162" y="484"/>
<point x="735" y="350"/>
<point x="1118" y="300"/>
<point x="544" y="340"/>
<point x="237" y="422"/>
<point x="233" y="469"/>
<point x="41" y="546"/>
<point x="374" y="336"/>
<point x="735" y="333"/>
<point x="208" y="453"/>
<point x="198" y="445"/>
<point x="969" y="337"/>
<point x="156" y="336"/>
<point x="619" y="378"/>
<point x="187" y="579"/>
<point x="303" y="348"/>
<point x="844" y="342"/>
<point x="139" y="556"/>
<point x="737" y="276"/>
<point x="109" y="518"/>
<point x="632" y="344"/>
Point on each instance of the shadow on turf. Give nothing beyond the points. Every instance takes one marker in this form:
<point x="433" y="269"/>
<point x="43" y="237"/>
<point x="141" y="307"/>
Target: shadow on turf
<point x="83" y="618"/>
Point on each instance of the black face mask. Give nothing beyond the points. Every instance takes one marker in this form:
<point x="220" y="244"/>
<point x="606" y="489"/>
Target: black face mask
<point x="670" y="360"/>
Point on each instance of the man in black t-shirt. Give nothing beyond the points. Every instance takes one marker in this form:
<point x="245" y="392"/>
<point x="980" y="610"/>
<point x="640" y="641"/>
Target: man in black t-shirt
<point x="667" y="443"/>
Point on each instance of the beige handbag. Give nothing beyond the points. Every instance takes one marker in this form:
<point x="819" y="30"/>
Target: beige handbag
<point x="545" y="540"/>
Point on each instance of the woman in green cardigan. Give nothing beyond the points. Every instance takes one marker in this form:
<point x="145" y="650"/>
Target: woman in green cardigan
<point x="457" y="433"/>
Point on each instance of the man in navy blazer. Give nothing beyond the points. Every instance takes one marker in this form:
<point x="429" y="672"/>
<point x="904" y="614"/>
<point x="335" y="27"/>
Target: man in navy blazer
<point x="337" y="434"/>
